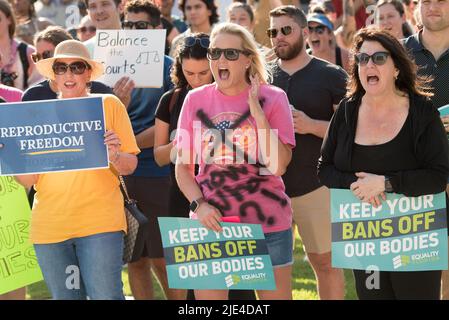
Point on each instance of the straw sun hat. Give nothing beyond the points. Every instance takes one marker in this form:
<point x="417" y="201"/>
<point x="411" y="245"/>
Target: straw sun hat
<point x="69" y="49"/>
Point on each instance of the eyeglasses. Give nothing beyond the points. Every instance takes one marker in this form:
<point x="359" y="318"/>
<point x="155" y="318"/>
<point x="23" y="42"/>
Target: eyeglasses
<point x="90" y="29"/>
<point x="137" y="24"/>
<point x="378" y="58"/>
<point x="77" y="67"/>
<point x="36" y="56"/>
<point x="318" y="29"/>
<point x="273" y="33"/>
<point x="191" y="41"/>
<point x="230" y="54"/>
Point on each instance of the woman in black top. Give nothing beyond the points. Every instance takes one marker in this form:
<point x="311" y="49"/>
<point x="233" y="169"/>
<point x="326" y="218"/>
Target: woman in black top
<point x="191" y="70"/>
<point x="386" y="136"/>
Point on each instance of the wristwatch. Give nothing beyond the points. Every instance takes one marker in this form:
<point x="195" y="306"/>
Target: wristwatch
<point x="388" y="186"/>
<point x="195" y="204"/>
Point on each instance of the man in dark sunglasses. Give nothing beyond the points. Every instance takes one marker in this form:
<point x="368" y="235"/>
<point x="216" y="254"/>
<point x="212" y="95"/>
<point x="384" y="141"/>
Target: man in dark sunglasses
<point x="322" y="41"/>
<point x="314" y="87"/>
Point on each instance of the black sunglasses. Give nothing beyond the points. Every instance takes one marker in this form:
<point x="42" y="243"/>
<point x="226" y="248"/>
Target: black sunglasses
<point x="273" y="33"/>
<point x="191" y="41"/>
<point x="230" y="54"/>
<point x="137" y="24"/>
<point x="36" y="56"/>
<point x="379" y="58"/>
<point x="77" y="67"/>
<point x="90" y="29"/>
<point x="318" y="29"/>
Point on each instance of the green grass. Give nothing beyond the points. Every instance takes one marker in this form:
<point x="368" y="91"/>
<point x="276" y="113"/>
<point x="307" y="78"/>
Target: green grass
<point x="304" y="283"/>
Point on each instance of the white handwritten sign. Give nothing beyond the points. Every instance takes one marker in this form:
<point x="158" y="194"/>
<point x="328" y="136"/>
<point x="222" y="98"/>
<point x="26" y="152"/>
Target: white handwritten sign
<point x="138" y="54"/>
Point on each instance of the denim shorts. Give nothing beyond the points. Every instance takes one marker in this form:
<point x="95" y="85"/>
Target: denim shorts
<point x="280" y="247"/>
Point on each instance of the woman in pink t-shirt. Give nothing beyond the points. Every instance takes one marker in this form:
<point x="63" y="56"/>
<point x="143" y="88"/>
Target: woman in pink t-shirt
<point x="240" y="129"/>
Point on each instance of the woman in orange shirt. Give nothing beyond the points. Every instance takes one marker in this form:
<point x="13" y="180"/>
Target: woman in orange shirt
<point x="78" y="218"/>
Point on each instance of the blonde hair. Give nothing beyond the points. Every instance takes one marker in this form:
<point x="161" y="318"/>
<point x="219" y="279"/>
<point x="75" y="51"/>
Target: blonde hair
<point x="258" y="63"/>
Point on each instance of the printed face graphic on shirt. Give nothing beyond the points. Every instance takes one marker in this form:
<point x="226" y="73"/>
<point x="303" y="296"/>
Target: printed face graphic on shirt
<point x="241" y="140"/>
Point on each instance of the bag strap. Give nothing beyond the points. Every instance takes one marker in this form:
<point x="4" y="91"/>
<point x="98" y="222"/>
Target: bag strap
<point x="23" y="48"/>
<point x="174" y="99"/>
<point x="124" y="189"/>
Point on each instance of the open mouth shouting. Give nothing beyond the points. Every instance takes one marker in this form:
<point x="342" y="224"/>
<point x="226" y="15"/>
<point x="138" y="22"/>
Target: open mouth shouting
<point x="372" y="80"/>
<point x="223" y="73"/>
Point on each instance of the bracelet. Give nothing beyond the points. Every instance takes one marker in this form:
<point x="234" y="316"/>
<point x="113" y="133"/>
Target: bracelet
<point x="116" y="157"/>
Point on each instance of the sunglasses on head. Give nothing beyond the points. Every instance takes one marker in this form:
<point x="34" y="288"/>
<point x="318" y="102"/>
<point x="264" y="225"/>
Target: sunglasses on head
<point x="378" y="58"/>
<point x="230" y="54"/>
<point x="137" y="24"/>
<point x="191" y="41"/>
<point x="77" y="67"/>
<point x="318" y="29"/>
<point x="90" y="29"/>
<point x="273" y="33"/>
<point x="36" y="56"/>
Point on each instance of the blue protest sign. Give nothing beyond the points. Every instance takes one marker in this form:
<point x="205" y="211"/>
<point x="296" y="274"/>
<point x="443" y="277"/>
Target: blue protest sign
<point x="52" y="135"/>
<point x="197" y="258"/>
<point x="403" y="234"/>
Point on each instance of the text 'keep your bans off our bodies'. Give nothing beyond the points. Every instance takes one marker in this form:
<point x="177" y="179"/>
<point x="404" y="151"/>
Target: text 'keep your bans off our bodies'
<point x="406" y="233"/>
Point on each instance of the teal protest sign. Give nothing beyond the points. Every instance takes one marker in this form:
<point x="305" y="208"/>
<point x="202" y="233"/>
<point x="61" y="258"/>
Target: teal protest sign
<point x="444" y="111"/>
<point x="197" y="258"/>
<point x="403" y="234"/>
<point x="18" y="262"/>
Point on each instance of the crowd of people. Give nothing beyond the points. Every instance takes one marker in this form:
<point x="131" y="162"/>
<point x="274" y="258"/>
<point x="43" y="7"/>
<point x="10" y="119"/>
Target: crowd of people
<point x="344" y="93"/>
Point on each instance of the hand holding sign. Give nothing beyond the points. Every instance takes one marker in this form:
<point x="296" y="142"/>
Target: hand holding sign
<point x="209" y="217"/>
<point x="368" y="187"/>
<point x="112" y="140"/>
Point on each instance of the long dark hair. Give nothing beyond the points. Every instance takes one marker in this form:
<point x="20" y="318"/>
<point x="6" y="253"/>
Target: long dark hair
<point x="407" y="81"/>
<point x="5" y="7"/>
<point x="196" y="52"/>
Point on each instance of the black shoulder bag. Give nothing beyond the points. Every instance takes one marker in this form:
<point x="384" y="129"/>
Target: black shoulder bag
<point x="137" y="228"/>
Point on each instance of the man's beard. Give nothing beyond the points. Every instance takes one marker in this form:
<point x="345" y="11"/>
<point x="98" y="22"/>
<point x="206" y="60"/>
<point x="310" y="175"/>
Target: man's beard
<point x="436" y="26"/>
<point x="290" y="52"/>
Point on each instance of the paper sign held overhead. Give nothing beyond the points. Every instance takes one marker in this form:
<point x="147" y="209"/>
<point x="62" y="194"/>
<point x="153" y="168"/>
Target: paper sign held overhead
<point x="138" y="54"/>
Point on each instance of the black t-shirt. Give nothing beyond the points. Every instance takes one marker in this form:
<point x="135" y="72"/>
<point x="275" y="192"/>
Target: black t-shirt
<point x="428" y="66"/>
<point x="178" y="204"/>
<point x="386" y="158"/>
<point x="313" y="90"/>
<point x="42" y="91"/>
<point x="171" y="116"/>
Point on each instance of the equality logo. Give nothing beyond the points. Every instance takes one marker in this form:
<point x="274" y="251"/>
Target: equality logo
<point x="232" y="280"/>
<point x="400" y="261"/>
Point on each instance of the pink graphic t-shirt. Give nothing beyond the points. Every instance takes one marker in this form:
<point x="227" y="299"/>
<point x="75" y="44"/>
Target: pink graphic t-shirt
<point x="220" y="131"/>
<point x="10" y="94"/>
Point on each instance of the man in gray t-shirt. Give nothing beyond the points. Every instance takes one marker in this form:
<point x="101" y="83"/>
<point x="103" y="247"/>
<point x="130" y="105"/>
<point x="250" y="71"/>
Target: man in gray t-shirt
<point x="314" y="88"/>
